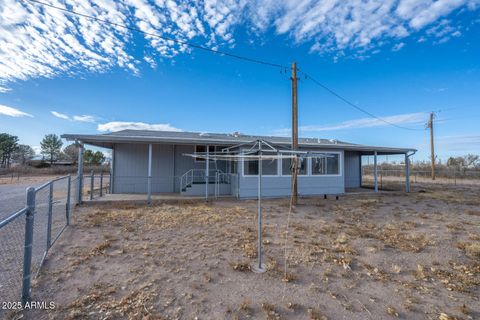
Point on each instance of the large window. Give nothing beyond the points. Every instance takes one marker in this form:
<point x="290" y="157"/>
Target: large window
<point x="269" y="167"/>
<point x="287" y="166"/>
<point x="202" y="150"/>
<point x="326" y="164"/>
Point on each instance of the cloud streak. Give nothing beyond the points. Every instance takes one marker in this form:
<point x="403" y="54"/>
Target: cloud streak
<point x="399" y="119"/>
<point x="43" y="42"/>
<point x="13" y="112"/>
<point x="121" y="125"/>
<point x="82" y="118"/>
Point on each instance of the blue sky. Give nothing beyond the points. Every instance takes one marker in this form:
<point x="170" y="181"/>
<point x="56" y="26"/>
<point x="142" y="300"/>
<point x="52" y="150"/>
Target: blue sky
<point x="397" y="59"/>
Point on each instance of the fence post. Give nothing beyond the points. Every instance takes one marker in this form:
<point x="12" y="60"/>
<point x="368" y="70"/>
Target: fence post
<point x="80" y="174"/>
<point x="91" y="185"/>
<point x="67" y="209"/>
<point x="27" y="257"/>
<point x="455" y="175"/>
<point x="49" y="222"/>
<point x="101" y="183"/>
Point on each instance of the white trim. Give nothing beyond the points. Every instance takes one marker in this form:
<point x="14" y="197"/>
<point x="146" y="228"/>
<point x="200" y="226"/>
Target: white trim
<point x="202" y="145"/>
<point x="340" y="166"/>
<point x="308" y="173"/>
<point x="256" y="175"/>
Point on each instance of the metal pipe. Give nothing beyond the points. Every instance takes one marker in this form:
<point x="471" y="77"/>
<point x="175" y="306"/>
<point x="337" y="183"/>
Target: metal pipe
<point x="260" y="266"/>
<point x="375" y="171"/>
<point x="101" y="183"/>
<point x="92" y="177"/>
<point x="407" y="173"/>
<point x="67" y="209"/>
<point x="112" y="170"/>
<point x="149" y="179"/>
<point x="207" y="160"/>
<point x="80" y="174"/>
<point x="27" y="257"/>
<point x="49" y="218"/>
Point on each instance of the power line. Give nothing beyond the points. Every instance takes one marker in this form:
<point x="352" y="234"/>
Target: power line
<point x="354" y="105"/>
<point x="196" y="46"/>
<point x="222" y="53"/>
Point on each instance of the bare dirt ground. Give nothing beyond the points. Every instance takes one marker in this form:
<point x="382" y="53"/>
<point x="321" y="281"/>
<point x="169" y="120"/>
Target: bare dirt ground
<point x="365" y="256"/>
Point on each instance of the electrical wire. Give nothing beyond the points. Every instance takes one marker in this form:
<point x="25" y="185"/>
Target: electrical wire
<point x="181" y="42"/>
<point x="223" y="53"/>
<point x="353" y="104"/>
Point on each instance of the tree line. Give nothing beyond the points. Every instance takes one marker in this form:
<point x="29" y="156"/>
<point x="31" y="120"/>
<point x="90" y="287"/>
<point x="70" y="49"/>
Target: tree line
<point x="50" y="147"/>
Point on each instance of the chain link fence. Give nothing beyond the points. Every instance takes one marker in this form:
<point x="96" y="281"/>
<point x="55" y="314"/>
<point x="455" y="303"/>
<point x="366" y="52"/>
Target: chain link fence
<point x="27" y="235"/>
<point x="394" y="179"/>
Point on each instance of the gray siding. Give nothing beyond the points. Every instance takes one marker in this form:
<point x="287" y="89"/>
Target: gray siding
<point x="280" y="186"/>
<point x="131" y="168"/>
<point x="352" y="170"/>
<point x="168" y="165"/>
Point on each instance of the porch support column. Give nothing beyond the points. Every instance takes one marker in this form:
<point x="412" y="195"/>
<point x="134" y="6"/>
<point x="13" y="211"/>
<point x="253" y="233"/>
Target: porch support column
<point x="149" y="178"/>
<point x="375" y="171"/>
<point x="112" y="169"/>
<point x="407" y="173"/>
<point x="80" y="172"/>
<point x="207" y="168"/>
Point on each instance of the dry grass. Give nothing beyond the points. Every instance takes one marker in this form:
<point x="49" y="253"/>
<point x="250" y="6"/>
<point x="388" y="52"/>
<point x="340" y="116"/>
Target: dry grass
<point x="358" y="258"/>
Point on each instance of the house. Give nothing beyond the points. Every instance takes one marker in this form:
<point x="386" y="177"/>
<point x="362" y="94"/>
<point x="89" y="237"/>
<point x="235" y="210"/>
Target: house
<point x="165" y="162"/>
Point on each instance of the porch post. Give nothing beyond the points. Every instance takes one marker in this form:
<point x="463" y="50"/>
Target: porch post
<point x="112" y="169"/>
<point x="207" y="167"/>
<point x="407" y="173"/>
<point x="375" y="171"/>
<point x="80" y="173"/>
<point x="149" y="178"/>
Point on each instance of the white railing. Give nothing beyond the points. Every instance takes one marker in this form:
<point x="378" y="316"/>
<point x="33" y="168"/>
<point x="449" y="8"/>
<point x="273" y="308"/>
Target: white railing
<point x="198" y="176"/>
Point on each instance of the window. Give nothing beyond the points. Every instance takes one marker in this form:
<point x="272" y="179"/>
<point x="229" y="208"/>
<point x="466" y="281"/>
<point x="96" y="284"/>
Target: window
<point x="326" y="164"/>
<point x="269" y="167"/>
<point x="202" y="150"/>
<point x="287" y="166"/>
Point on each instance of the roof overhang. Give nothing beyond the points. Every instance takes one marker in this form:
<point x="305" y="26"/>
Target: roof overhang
<point x="108" y="141"/>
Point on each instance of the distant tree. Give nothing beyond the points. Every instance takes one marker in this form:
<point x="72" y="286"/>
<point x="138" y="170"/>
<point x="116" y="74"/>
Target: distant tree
<point x="71" y="152"/>
<point x="471" y="160"/>
<point x="463" y="163"/>
<point x="91" y="157"/>
<point x="23" y="153"/>
<point x="8" y="144"/>
<point x="51" y="146"/>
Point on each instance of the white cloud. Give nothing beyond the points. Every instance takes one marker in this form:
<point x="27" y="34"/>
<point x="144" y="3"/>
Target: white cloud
<point x="399" y="119"/>
<point x="84" y="118"/>
<point x="60" y="115"/>
<point x="459" y="143"/>
<point x="398" y="46"/>
<point x="80" y="118"/>
<point x="12" y="112"/>
<point x="121" y="125"/>
<point x="37" y="41"/>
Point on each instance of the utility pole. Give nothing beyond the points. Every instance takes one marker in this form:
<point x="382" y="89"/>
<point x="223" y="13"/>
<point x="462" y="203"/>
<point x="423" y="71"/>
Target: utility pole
<point x="294" y="132"/>
<point x="432" y="144"/>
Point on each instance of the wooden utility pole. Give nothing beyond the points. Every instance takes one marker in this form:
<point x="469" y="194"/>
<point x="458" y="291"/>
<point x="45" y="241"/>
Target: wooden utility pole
<point x="294" y="132"/>
<point x="432" y="145"/>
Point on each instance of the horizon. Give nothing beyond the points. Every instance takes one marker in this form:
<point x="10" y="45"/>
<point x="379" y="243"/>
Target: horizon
<point x="398" y="61"/>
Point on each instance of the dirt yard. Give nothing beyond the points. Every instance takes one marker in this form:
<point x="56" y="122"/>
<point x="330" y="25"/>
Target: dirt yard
<point x="364" y="256"/>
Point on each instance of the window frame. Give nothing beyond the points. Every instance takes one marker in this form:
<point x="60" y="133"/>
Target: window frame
<point x="200" y="160"/>
<point x="340" y="171"/>
<point x="306" y="174"/>
<point x="278" y="174"/>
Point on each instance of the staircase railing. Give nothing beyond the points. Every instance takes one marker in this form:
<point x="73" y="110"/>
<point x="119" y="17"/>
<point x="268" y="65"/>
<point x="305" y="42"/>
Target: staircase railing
<point x="198" y="176"/>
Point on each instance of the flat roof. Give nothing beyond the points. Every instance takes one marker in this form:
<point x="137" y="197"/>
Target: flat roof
<point x="107" y="140"/>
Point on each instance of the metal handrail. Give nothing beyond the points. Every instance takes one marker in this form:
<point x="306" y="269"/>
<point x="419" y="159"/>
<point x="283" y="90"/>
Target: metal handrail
<point x="192" y="175"/>
<point x="12" y="217"/>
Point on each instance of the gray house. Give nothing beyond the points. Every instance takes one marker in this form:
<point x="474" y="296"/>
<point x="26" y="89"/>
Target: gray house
<point x="165" y="162"/>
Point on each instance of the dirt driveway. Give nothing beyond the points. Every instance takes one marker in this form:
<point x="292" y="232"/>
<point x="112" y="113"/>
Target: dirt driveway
<point x="367" y="256"/>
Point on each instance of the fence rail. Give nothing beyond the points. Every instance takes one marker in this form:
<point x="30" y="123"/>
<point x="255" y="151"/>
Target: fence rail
<point x="27" y="235"/>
